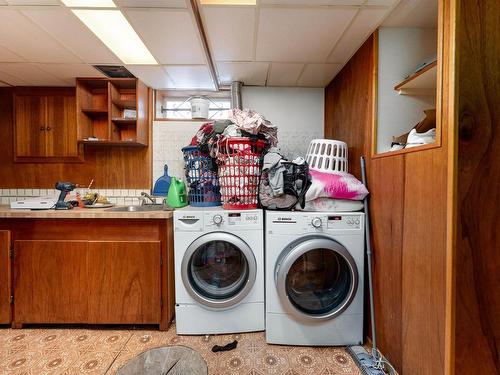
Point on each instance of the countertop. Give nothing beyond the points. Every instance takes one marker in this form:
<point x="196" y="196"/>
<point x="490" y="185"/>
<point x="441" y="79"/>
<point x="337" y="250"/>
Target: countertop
<point x="81" y="213"/>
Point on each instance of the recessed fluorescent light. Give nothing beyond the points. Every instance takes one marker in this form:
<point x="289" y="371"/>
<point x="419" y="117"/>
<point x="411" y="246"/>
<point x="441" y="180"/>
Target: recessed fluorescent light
<point x="115" y="32"/>
<point x="89" y="3"/>
<point x="228" y="2"/>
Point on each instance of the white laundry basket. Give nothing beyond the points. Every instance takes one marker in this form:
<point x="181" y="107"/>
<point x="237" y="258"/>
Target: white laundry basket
<point x="327" y="155"/>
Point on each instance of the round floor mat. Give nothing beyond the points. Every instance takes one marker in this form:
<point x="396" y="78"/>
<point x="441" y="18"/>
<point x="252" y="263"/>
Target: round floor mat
<point x="167" y="360"/>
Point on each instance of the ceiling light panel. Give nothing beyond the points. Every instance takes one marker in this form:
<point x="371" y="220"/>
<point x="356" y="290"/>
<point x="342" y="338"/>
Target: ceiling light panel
<point x="116" y="33"/>
<point x="170" y="35"/>
<point x="300" y="35"/>
<point x="250" y="73"/>
<point x="89" y="3"/>
<point x="318" y="75"/>
<point x="365" y="22"/>
<point x="230" y="31"/>
<point x="21" y="36"/>
<point x="64" y="26"/>
<point x="282" y="74"/>
<point x="312" y="2"/>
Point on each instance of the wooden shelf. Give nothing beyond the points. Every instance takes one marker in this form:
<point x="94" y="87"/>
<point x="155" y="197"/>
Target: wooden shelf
<point x="123" y="120"/>
<point x="422" y="82"/>
<point x="93" y="113"/>
<point x="125" y="104"/>
<point x="106" y="142"/>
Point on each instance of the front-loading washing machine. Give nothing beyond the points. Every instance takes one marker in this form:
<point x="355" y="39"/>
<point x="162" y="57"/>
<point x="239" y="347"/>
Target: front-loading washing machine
<point x="314" y="278"/>
<point x="219" y="270"/>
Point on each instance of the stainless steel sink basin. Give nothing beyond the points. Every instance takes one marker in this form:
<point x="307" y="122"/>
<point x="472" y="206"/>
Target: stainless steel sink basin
<point x="145" y="208"/>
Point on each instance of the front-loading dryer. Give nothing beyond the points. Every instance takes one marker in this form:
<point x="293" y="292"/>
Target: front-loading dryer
<point x="314" y="278"/>
<point x="219" y="270"/>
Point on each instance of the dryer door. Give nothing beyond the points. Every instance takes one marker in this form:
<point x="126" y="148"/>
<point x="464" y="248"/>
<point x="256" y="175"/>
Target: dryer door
<point x="218" y="270"/>
<point x="316" y="278"/>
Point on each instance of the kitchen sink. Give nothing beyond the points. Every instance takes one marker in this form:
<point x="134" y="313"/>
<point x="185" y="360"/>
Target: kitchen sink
<point x="145" y="208"/>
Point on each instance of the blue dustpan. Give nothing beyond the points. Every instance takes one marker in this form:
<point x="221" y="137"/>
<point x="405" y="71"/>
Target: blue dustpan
<point x="162" y="184"/>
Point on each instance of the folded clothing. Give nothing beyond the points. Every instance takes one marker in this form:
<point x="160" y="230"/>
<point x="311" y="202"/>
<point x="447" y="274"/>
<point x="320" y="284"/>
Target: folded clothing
<point x="335" y="185"/>
<point x="331" y="205"/>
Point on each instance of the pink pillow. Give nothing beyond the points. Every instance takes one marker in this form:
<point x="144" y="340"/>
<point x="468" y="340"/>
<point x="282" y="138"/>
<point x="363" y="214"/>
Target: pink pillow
<point x="335" y="185"/>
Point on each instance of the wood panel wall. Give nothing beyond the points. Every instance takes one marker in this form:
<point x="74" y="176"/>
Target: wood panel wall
<point x="110" y="167"/>
<point x="408" y="199"/>
<point x="477" y="257"/>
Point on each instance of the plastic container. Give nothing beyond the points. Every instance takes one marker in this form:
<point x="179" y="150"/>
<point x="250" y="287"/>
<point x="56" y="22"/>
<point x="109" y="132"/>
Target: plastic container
<point x="239" y="172"/>
<point x="199" y="108"/>
<point x="327" y="155"/>
<point x="201" y="177"/>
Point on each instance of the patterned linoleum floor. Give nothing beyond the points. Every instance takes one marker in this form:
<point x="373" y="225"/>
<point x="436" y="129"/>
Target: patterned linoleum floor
<point x="102" y="351"/>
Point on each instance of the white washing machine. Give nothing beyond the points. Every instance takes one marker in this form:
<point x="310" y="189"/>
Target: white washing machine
<point x="219" y="270"/>
<point x="314" y="278"/>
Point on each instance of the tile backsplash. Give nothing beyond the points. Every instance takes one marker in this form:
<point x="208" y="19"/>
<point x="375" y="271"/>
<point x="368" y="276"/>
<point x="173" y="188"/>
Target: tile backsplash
<point x="115" y="196"/>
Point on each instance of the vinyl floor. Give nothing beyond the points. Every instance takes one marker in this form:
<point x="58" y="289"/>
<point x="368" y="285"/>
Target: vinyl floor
<point x="73" y="351"/>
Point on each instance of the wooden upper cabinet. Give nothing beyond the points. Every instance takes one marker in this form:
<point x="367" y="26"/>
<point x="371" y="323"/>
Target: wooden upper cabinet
<point x="4" y="277"/>
<point x="61" y="126"/>
<point x="31" y="120"/>
<point x="45" y="124"/>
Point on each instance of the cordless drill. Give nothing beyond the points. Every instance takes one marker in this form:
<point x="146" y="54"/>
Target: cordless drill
<point x="65" y="188"/>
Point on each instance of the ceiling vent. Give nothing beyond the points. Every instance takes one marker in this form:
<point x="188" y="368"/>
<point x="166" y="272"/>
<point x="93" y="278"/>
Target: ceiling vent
<point x="113" y="71"/>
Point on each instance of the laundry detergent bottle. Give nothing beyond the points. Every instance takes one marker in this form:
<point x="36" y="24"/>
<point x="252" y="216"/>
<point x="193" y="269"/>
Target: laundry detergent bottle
<point x="177" y="196"/>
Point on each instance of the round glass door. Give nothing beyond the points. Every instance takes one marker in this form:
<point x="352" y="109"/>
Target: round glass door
<point x="317" y="278"/>
<point x="218" y="270"/>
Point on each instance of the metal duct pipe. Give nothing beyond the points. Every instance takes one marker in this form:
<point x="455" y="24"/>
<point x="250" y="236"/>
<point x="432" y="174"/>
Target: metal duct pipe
<point x="236" y="94"/>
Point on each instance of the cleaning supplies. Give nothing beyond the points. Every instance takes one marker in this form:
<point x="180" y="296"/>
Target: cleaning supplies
<point x="162" y="184"/>
<point x="177" y="197"/>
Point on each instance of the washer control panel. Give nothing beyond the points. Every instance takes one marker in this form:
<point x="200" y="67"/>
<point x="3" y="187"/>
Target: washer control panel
<point x="344" y="222"/>
<point x="236" y="219"/>
<point x="317" y="222"/>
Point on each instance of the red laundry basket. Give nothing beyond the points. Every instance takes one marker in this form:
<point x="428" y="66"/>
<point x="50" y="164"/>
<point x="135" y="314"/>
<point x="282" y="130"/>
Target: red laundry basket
<point x="239" y="172"/>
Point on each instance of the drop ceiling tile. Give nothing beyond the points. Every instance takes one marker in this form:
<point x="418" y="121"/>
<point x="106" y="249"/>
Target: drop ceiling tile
<point x="68" y="72"/>
<point x="318" y="75"/>
<point x="64" y="26"/>
<point x="170" y="35"/>
<point x="250" y="73"/>
<point x="312" y="2"/>
<point x="23" y="37"/>
<point x="31" y="74"/>
<point x="387" y="3"/>
<point x="365" y="22"/>
<point x="151" y="3"/>
<point x="11" y="80"/>
<point x="153" y="76"/>
<point x="230" y="31"/>
<point x="300" y="35"/>
<point x="3" y="84"/>
<point x="282" y="74"/>
<point x="34" y="2"/>
<point x="7" y="55"/>
<point x="190" y="77"/>
<point x="3" y="2"/>
<point x="414" y="13"/>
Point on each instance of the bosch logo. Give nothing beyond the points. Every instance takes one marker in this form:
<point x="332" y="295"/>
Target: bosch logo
<point x="285" y="218"/>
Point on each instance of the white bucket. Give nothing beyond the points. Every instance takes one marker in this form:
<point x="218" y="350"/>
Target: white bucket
<point x="199" y="108"/>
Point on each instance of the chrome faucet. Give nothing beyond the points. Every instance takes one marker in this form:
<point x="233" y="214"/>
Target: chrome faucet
<point x="145" y="196"/>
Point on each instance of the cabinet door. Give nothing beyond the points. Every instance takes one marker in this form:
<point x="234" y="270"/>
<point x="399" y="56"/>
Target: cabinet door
<point x="124" y="279"/>
<point x="50" y="281"/>
<point x="4" y="277"/>
<point x="30" y="125"/>
<point x="61" y="126"/>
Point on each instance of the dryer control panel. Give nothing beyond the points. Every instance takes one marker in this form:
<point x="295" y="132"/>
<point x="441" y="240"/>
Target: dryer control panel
<point x="317" y="222"/>
<point x="232" y="220"/>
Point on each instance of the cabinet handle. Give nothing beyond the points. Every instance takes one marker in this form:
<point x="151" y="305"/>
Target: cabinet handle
<point x="49" y="128"/>
<point x="42" y="128"/>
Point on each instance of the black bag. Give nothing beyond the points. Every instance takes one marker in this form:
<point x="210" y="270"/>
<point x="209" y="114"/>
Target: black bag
<point x="296" y="181"/>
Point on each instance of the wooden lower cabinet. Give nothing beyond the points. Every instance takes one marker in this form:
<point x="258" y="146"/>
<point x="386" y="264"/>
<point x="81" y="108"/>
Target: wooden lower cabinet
<point x="5" y="284"/>
<point x="124" y="282"/>
<point x="99" y="282"/>
<point x="50" y="281"/>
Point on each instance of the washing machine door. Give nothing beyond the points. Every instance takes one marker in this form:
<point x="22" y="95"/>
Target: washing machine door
<point x="218" y="270"/>
<point x="316" y="278"/>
